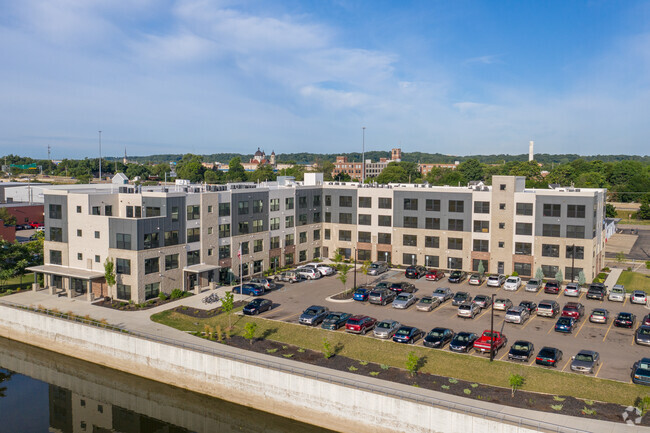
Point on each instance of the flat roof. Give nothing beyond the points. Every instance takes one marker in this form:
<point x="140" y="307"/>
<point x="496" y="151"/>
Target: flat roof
<point x="65" y="271"/>
<point x="201" y="267"/>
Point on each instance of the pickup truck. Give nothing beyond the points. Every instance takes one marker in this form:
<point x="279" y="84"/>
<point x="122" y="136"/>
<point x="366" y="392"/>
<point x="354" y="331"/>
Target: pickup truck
<point x="483" y="343"/>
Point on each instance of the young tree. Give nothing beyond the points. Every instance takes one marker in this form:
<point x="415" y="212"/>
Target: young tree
<point x="539" y="274"/>
<point x="515" y="381"/>
<point x="481" y="268"/>
<point x="6" y="217"/>
<point x="610" y="211"/>
<point x="328" y="351"/>
<point x="343" y="274"/>
<point x="644" y="212"/>
<point x="581" y="278"/>
<point x="109" y="272"/>
<point x="236" y="172"/>
<point x="20" y="269"/>
<point x="412" y="363"/>
<point x="5" y="274"/>
<point x="227" y="304"/>
<point x="249" y="331"/>
<point x="620" y="256"/>
<point x="365" y="268"/>
<point x="558" y="276"/>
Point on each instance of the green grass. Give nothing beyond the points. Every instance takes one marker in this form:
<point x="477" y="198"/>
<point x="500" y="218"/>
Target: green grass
<point x="469" y="368"/>
<point x="14" y="282"/>
<point x="634" y="281"/>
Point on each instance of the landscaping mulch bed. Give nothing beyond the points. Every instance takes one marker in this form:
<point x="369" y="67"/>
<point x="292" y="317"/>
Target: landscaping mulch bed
<point x="203" y="314"/>
<point x="126" y="306"/>
<point x="347" y="294"/>
<point x="523" y="399"/>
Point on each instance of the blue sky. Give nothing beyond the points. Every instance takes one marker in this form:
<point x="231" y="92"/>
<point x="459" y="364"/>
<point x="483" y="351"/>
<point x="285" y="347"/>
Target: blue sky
<point x="455" y="77"/>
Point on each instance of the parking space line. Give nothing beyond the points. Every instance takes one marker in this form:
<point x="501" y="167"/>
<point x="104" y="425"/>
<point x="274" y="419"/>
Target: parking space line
<point x="583" y="324"/>
<point x="581" y="295"/>
<point x="624" y="300"/>
<point x="528" y="321"/>
<point x="532" y="361"/>
<point x="552" y="328"/>
<point x="483" y="313"/>
<point x="503" y="356"/>
<point x="608" y="329"/>
<point x="599" y="367"/>
<point x="566" y="365"/>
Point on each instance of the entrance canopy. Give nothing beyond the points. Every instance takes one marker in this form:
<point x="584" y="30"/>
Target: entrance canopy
<point x="201" y="267"/>
<point x="64" y="271"/>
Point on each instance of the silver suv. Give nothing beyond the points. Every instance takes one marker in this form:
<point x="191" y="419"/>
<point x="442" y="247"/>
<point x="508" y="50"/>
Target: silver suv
<point x="548" y="308"/>
<point x="533" y="285"/>
<point x="517" y="314"/>
<point x="617" y="294"/>
<point x="377" y="268"/>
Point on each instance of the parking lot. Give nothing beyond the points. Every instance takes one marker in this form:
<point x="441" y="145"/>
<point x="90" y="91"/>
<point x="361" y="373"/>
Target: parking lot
<point x="615" y="345"/>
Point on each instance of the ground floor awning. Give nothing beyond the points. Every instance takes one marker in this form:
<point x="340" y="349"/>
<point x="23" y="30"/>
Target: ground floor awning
<point x="64" y="271"/>
<point x="201" y="267"/>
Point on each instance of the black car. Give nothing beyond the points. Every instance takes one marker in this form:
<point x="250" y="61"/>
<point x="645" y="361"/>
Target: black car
<point x="257" y="306"/>
<point x="549" y="356"/>
<point x="438" y="337"/>
<point x="407" y="334"/>
<point x="415" y="272"/>
<point x="462" y="342"/>
<point x="625" y="320"/>
<point x="457" y="276"/>
<point x="521" y="350"/>
<point x="597" y="291"/>
<point x="529" y="305"/>
<point x="335" y="320"/>
<point x="402" y="287"/>
<point x="459" y="298"/>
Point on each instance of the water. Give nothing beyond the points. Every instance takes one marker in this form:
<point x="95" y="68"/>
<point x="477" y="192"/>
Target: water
<point x="42" y="391"/>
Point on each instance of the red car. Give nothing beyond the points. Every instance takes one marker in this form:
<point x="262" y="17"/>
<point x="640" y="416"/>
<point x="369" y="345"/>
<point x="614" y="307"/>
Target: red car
<point x="434" y="275"/>
<point x="484" y="341"/>
<point x="360" y="324"/>
<point x="646" y="320"/>
<point x="552" y="287"/>
<point x="573" y="309"/>
<point x="35" y="225"/>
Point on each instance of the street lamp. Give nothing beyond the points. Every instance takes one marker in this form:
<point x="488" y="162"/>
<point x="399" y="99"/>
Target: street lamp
<point x="492" y="330"/>
<point x="355" y="267"/>
<point x="573" y="260"/>
<point x="363" y="156"/>
<point x="100" y="156"/>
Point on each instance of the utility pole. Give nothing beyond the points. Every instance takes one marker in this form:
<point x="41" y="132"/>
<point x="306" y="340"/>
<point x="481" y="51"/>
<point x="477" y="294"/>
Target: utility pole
<point x="492" y="330"/>
<point x="355" y="268"/>
<point x="100" y="156"/>
<point x="573" y="260"/>
<point x="363" y="156"/>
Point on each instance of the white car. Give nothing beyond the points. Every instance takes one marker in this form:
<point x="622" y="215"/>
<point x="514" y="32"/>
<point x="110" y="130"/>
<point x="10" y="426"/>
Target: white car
<point x="309" y="273"/>
<point x="512" y="283"/>
<point x="638" y="297"/>
<point x="495" y="280"/>
<point x="324" y="269"/>
<point x="617" y="294"/>
<point x="572" y="289"/>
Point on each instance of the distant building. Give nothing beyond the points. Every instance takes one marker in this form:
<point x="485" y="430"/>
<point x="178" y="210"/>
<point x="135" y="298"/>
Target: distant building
<point x="259" y="159"/>
<point x="373" y="169"/>
<point x="426" y="168"/>
<point x="120" y="179"/>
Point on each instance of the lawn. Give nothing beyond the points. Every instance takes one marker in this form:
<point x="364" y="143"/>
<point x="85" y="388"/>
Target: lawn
<point x="470" y="368"/>
<point x="634" y="281"/>
<point x="14" y="282"/>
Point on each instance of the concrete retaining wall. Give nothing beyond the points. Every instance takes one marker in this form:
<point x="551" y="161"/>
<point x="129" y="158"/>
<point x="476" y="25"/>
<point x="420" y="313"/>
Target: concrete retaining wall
<point x="307" y="399"/>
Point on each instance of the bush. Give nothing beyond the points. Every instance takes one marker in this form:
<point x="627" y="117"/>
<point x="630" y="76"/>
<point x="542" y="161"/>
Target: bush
<point x="515" y="274"/>
<point x="177" y="294"/>
<point x="162" y="296"/>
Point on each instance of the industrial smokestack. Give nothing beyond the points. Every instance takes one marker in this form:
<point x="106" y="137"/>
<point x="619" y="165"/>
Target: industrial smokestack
<point x="530" y="150"/>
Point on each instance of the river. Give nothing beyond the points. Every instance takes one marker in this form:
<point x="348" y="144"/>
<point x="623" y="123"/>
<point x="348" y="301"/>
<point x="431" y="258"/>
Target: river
<point x="42" y="391"/>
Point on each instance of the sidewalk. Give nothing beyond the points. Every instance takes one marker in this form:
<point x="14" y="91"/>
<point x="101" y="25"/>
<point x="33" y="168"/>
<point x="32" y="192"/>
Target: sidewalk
<point x="613" y="277"/>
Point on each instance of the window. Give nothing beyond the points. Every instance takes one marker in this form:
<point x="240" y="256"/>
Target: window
<point x="80" y="256"/>
<point x="243" y="227"/>
<point x="171" y="262"/>
<point x="432" y="205"/>
<point x="410" y="240"/>
<point x="550" y="271"/>
<point x="328" y="235"/>
<point x="55" y="257"/>
<point x="302" y="237"/>
<point x="579" y="252"/>
<point x="258" y="226"/>
<point x="224" y="230"/>
<point x="94" y="210"/>
<point x="328" y="200"/>
<point x="302" y="202"/>
<point x="171" y="238"/>
<point x="288" y="221"/>
<point x="482" y="245"/>
<point x="288" y="240"/>
<point x="274" y="205"/>
<point x="345" y="235"/>
<point x="242" y="208"/>
<point x="411" y="222"/>
<point x="123" y="241"/>
<point x="384" y="220"/>
<point x="328" y="217"/>
<point x="552" y="230"/>
<point x="365" y="220"/>
<point x="288" y="203"/>
<point x="209" y="208"/>
<point x="431" y="242"/>
<point x="56" y="234"/>
<point x="138" y="211"/>
<point x="456" y="206"/>
<point x="365" y="201"/>
<point x="571" y="273"/>
<point x="96" y="234"/>
<point x="258" y="245"/>
<point x="153" y="211"/>
<point x="210" y="230"/>
<point x="79" y="233"/>
<point x="364" y="237"/>
<point x="193" y="212"/>
<point x="410" y="204"/>
<point x="151" y="265"/>
<point x="575" y="232"/>
<point x="383" y="238"/>
<point x="409" y="259"/>
<point x="501" y="244"/>
<point x="224" y="209"/>
<point x="502" y="187"/>
<point x="108" y="210"/>
<point x="244" y="269"/>
<point x="432" y="223"/>
<point x="193" y="235"/>
<point x="275" y="223"/>
<point x="317" y="234"/>
<point x="345" y="201"/>
<point x="549" y="250"/>
<point x="364" y="255"/>
<point x="258" y="206"/>
<point x="523" y="248"/>
<point x="481" y="207"/>
<point x="123" y="266"/>
<point x="552" y="210"/>
<point x="302" y="255"/>
<point x="193" y="257"/>
<point x="575" y="211"/>
<point x="124" y="292"/>
<point x="317" y="203"/>
<point x="151" y="290"/>
<point x="275" y="242"/>
<point x="502" y="225"/>
<point x="455" y="243"/>
<point x="432" y="261"/>
<point x="224" y="251"/>
<point x="345" y="218"/>
<point x="454" y="263"/>
<point x="477" y="262"/>
<point x="385" y="203"/>
<point x="244" y="248"/>
<point x="523" y="269"/>
<point x="524" y="229"/>
<point x="288" y="259"/>
<point x="129" y="211"/>
<point x="524" y="209"/>
<point x="210" y="251"/>
<point x="316" y="217"/>
<point x="456" y="225"/>
<point x="78" y="209"/>
<point x="55" y="211"/>
<point x="481" y="226"/>
<point x="151" y="240"/>
<point x="257" y="266"/>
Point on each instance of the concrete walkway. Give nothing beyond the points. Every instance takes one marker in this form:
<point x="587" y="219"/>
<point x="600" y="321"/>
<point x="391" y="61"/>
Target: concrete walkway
<point x="613" y="277"/>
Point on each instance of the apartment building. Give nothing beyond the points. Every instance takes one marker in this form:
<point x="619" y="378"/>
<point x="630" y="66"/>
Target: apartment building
<point x="198" y="236"/>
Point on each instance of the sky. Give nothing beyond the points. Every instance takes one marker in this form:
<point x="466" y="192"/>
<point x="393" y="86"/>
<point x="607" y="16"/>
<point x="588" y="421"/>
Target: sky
<point x="199" y="76"/>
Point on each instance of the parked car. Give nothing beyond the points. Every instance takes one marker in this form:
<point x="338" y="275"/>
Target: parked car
<point x="599" y="315"/>
<point x="383" y="285"/>
<point x="361" y="294"/>
<point x="496" y="280"/>
<point x="625" y="320"/>
<point x="407" y="334"/>
<point x="641" y="372"/>
<point x="642" y="335"/>
<point x="313" y="315"/>
<point x="462" y="342"/>
<point x="552" y="287"/>
<point x="427" y="303"/>
<point x="517" y="315"/>
<point x="468" y="310"/>
<point x="386" y="329"/>
<point x="267" y="283"/>
<point x="475" y="280"/>
<point x="573" y="309"/>
<point x="597" y="291"/>
<point x="483" y="301"/>
<point x="512" y="283"/>
<point x="404" y="300"/>
<point x="249" y="289"/>
<point x="415" y="272"/>
<point x="565" y="324"/>
<point x="438" y="337"/>
<point x="585" y="361"/>
<point x="549" y="356"/>
<point x="617" y="294"/>
<point x="360" y="324"/>
<point x="289" y="277"/>
<point x="320" y="267"/>
<point x="457" y="276"/>
<point x="459" y="298"/>
<point x="646" y="320"/>
<point x="572" y="290"/>
<point x="309" y="273"/>
<point x="530" y="306"/>
<point x="402" y="287"/>
<point x="377" y="268"/>
<point x="257" y="306"/>
<point x="381" y="296"/>
<point x="533" y="285"/>
<point x="335" y="320"/>
<point x="548" y="308"/>
<point x="502" y="304"/>
<point x="35" y="225"/>
<point x="443" y="293"/>
<point x="638" y="297"/>
<point x="521" y="351"/>
<point x="434" y="275"/>
<point x="490" y="339"/>
<point x="40" y="228"/>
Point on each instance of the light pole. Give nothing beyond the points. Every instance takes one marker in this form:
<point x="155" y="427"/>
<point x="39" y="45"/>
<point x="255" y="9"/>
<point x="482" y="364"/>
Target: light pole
<point x="573" y="260"/>
<point x="355" y="268"/>
<point x="100" y="156"/>
<point x="492" y="330"/>
<point x="363" y="156"/>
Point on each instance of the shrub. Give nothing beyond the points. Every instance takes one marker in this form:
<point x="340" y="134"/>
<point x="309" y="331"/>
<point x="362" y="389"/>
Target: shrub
<point x="271" y="350"/>
<point x="384" y="366"/>
<point x="412" y="363"/>
<point x="249" y="331"/>
<point x="287" y="355"/>
<point x="328" y="352"/>
<point x="557" y="398"/>
<point x="557" y="406"/>
<point x="162" y="296"/>
<point x="515" y="381"/>
<point x="467" y="391"/>
<point x="352" y="368"/>
<point x="587" y="411"/>
<point x="445" y="387"/>
<point x="363" y="362"/>
<point x="374" y="373"/>
<point x="515" y="274"/>
<point x="177" y="294"/>
<point x="452" y="380"/>
<point x="474" y="385"/>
